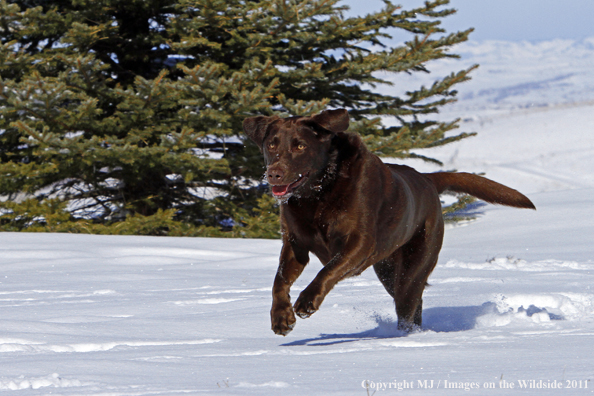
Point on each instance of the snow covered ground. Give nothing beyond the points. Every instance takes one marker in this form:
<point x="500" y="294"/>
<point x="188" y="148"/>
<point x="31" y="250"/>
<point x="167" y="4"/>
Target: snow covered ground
<point x="510" y="309"/>
<point x="513" y="75"/>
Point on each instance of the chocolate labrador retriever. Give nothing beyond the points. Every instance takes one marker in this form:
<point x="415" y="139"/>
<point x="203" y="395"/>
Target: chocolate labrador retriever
<point x="343" y="204"/>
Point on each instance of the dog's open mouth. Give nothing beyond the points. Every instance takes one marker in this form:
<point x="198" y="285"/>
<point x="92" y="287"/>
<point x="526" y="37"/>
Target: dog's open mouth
<point x="280" y="191"/>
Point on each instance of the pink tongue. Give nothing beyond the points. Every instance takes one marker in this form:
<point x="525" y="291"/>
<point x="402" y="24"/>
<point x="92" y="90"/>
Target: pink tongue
<point x="280" y="190"/>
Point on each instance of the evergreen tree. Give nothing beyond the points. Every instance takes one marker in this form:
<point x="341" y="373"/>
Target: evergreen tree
<point x="124" y="116"/>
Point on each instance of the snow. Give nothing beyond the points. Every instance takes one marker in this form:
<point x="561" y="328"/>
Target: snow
<point x="513" y="75"/>
<point x="511" y="302"/>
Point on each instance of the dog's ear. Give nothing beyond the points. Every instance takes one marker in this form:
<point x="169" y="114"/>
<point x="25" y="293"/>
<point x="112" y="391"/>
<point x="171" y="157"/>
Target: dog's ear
<point x="333" y="120"/>
<point x="255" y="128"/>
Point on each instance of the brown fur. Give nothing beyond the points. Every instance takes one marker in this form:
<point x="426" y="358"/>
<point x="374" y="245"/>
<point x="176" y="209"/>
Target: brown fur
<point x="343" y="204"/>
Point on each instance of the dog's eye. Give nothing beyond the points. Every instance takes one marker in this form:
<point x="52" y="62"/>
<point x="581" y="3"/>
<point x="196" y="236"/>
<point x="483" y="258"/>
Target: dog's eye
<point x="271" y="146"/>
<point x="301" y="147"/>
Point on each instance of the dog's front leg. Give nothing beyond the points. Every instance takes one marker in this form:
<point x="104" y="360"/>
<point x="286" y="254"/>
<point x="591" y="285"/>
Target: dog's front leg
<point x="292" y="263"/>
<point x="352" y="261"/>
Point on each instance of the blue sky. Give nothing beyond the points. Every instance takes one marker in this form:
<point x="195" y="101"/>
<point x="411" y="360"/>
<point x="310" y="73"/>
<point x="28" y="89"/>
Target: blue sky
<point x="511" y="20"/>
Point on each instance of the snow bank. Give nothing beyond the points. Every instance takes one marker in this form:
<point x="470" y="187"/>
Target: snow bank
<point x="52" y="380"/>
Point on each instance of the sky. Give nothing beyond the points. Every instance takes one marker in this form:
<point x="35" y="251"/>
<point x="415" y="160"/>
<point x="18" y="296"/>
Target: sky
<point x="509" y="20"/>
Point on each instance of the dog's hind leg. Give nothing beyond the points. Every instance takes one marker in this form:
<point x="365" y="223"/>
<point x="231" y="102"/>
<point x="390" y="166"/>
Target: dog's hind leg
<point x="404" y="274"/>
<point x="386" y="271"/>
<point x="419" y="258"/>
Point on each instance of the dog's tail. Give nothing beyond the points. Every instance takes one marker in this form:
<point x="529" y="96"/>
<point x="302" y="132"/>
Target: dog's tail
<point x="479" y="187"/>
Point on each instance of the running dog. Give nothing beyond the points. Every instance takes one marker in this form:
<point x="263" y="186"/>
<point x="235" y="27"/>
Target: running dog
<point x="343" y="204"/>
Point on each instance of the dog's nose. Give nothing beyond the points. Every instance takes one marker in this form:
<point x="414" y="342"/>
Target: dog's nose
<point x="275" y="175"/>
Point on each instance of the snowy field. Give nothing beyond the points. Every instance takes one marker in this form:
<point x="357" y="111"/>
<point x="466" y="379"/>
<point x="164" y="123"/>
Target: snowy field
<point x="510" y="308"/>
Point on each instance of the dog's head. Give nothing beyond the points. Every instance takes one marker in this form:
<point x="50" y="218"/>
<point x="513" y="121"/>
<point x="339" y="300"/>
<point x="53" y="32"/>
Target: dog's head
<point x="297" y="150"/>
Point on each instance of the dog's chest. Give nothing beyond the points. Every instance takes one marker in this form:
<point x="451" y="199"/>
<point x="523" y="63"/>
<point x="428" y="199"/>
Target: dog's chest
<point x="315" y="228"/>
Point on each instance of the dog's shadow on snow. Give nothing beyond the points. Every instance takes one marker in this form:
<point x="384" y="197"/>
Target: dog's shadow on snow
<point x="439" y="319"/>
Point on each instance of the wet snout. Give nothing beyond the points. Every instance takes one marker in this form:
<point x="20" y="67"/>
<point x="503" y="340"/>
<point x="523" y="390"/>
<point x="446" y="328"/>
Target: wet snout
<point x="275" y="175"/>
<point x="282" y="181"/>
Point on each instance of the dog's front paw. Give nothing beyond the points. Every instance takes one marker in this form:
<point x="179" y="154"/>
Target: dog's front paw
<point x="283" y="319"/>
<point x="306" y="305"/>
